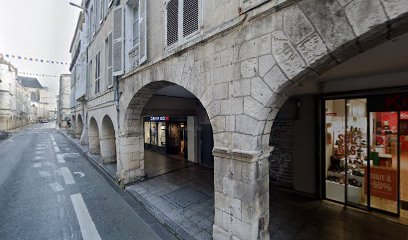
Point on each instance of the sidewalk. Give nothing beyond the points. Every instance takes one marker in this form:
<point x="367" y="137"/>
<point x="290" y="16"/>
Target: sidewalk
<point x="182" y="200"/>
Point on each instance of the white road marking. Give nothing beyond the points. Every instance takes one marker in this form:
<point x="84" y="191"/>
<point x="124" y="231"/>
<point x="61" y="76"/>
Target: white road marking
<point x="37" y="165"/>
<point x="54" y="143"/>
<point x="88" y="228"/>
<point x="40" y="152"/>
<point x="81" y="174"/>
<point x="56" y="149"/>
<point x="44" y="174"/>
<point x="39" y="158"/>
<point x="40" y="148"/>
<point x="56" y="187"/>
<point x="49" y="164"/>
<point x="60" y="158"/>
<point x="66" y="174"/>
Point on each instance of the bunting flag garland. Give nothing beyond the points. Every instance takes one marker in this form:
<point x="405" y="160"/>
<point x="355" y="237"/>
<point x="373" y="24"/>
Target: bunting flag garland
<point x="31" y="59"/>
<point x="38" y="74"/>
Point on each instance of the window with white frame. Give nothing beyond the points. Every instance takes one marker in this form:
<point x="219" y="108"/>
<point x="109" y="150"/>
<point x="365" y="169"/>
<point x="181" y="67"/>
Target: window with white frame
<point x="97" y="72"/>
<point x="89" y="74"/>
<point x="108" y="60"/>
<point x="183" y="20"/>
<point x="135" y="24"/>
<point x="92" y="20"/>
<point x="101" y="10"/>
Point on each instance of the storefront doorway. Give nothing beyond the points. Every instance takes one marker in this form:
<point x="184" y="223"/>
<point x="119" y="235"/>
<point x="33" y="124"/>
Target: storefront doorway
<point x="166" y="134"/>
<point x="366" y="152"/>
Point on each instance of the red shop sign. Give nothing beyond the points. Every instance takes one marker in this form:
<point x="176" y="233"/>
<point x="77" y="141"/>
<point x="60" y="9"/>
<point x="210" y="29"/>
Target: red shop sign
<point x="383" y="183"/>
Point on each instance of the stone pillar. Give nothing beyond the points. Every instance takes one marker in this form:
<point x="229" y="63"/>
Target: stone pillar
<point x="94" y="147"/>
<point x="241" y="183"/>
<point x="131" y="163"/>
<point x="84" y="137"/>
<point x="108" y="150"/>
<point x="77" y="131"/>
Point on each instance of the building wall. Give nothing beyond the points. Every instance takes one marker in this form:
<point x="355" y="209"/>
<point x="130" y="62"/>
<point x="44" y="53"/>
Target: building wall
<point x="242" y="77"/>
<point x="242" y="68"/>
<point x="14" y="99"/>
<point x="64" y="100"/>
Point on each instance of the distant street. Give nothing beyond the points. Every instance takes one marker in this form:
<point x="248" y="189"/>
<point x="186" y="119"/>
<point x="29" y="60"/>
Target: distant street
<point x="49" y="191"/>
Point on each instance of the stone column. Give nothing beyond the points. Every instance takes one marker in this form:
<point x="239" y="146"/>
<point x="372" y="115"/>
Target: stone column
<point x="77" y="131"/>
<point x="131" y="163"/>
<point x="241" y="183"/>
<point x="84" y="136"/>
<point x="108" y="150"/>
<point x="94" y="147"/>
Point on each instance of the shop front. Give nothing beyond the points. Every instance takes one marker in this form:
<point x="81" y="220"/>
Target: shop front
<point x="365" y="151"/>
<point x="166" y="134"/>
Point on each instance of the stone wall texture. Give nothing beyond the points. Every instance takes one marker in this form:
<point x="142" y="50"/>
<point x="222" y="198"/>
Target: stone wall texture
<point x="242" y="77"/>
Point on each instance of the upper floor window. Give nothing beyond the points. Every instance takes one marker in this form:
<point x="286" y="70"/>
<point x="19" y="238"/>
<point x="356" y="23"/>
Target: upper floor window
<point x="97" y="72"/>
<point x="92" y="20"/>
<point x="183" y="20"/>
<point x="101" y="10"/>
<point x="108" y="59"/>
<point x="135" y="24"/>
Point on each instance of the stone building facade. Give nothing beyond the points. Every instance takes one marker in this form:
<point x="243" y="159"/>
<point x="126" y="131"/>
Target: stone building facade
<point x="242" y="60"/>
<point x="15" y="110"/>
<point x="64" y="98"/>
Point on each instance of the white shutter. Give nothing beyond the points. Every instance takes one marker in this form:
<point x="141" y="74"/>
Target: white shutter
<point x="190" y="16"/>
<point x="142" y="31"/>
<point x="118" y="44"/>
<point x="172" y="10"/>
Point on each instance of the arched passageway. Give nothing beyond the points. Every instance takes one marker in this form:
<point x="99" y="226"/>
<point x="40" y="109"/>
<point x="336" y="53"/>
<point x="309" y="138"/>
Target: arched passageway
<point x="108" y="141"/>
<point x="93" y="135"/>
<point x="79" y="127"/>
<point x="338" y="130"/>
<point x="175" y="154"/>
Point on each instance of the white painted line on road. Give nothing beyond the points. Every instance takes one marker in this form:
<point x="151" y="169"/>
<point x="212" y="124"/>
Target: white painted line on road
<point x="37" y="165"/>
<point x="54" y="143"/>
<point x="88" y="228"/>
<point x="60" y="158"/>
<point x="56" y="149"/>
<point x="44" y="174"/>
<point x="66" y="174"/>
<point x="48" y="164"/>
<point x="56" y="187"/>
<point x="40" y="148"/>
<point x="39" y="152"/>
<point x="81" y="174"/>
<point x="39" y="158"/>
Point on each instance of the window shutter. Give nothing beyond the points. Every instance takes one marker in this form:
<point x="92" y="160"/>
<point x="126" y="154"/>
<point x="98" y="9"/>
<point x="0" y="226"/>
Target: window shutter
<point x="118" y="51"/>
<point x="142" y="31"/>
<point x="190" y="16"/>
<point x="172" y="9"/>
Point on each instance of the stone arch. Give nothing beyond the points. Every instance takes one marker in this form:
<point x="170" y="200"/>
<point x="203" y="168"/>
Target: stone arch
<point x="93" y="135"/>
<point x="312" y="41"/>
<point x="79" y="127"/>
<point x="108" y="141"/>
<point x="131" y="164"/>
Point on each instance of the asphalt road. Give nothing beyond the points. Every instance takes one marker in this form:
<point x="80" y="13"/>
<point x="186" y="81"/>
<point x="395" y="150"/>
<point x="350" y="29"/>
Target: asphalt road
<point x="48" y="190"/>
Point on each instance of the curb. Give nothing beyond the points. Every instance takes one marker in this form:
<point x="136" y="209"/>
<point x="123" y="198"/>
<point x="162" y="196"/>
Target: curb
<point x="155" y="215"/>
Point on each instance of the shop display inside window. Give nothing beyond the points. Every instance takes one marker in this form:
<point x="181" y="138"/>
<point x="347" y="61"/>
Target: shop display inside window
<point x="346" y="150"/>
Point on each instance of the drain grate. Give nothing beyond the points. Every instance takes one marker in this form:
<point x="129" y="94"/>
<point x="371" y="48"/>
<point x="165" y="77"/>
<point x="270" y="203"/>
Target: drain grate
<point x="185" y="197"/>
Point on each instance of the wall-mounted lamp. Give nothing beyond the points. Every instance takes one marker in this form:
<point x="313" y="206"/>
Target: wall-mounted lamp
<point x="163" y="127"/>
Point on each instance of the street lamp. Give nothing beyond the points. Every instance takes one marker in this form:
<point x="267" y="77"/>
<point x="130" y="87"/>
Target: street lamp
<point x="78" y="6"/>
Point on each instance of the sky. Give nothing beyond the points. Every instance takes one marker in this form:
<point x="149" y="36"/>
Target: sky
<point x="40" y="29"/>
